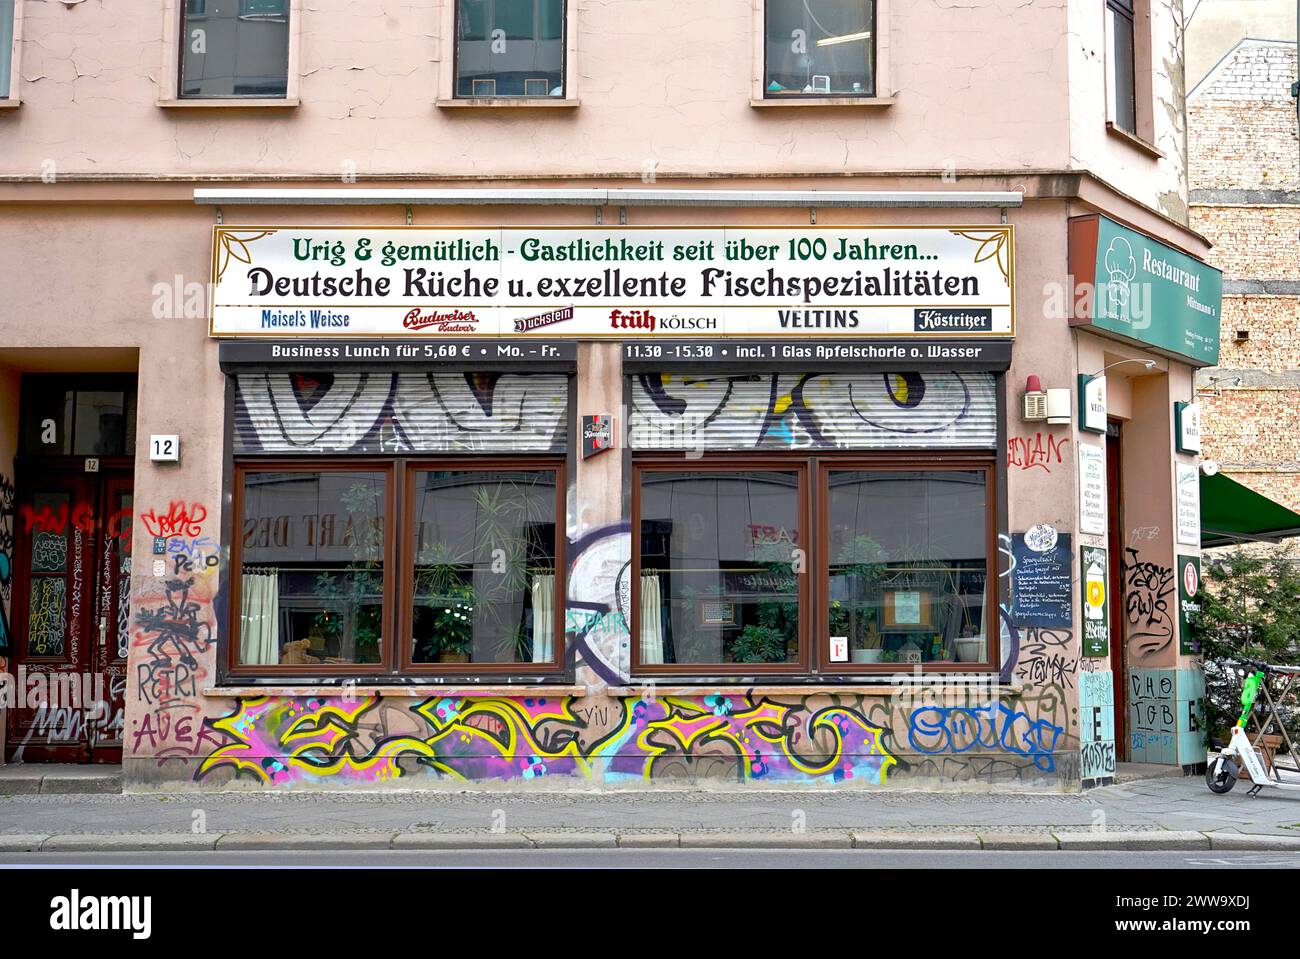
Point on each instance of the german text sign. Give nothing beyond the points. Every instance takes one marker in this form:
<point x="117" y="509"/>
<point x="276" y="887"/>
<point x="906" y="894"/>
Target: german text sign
<point x="625" y="282"/>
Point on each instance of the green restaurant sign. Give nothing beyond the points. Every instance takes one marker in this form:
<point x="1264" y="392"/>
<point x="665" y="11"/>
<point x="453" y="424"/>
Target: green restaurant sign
<point x="1137" y="288"/>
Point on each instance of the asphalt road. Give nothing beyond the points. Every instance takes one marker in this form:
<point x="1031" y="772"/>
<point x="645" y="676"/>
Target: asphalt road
<point x="661" y="859"/>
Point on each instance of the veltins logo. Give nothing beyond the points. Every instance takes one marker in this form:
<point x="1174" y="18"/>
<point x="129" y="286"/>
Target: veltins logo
<point x="78" y="913"/>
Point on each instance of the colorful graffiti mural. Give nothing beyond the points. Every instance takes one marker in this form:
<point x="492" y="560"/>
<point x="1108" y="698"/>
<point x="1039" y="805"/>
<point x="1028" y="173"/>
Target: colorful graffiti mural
<point x="400" y="412"/>
<point x="813" y="411"/>
<point x="739" y="737"/>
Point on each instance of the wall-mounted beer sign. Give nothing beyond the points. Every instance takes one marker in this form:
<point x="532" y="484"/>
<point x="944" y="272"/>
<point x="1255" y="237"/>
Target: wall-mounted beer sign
<point x="597" y="435"/>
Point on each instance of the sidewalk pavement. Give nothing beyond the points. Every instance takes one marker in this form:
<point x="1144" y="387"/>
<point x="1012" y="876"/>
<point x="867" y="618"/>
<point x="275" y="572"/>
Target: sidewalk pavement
<point x="1165" y="814"/>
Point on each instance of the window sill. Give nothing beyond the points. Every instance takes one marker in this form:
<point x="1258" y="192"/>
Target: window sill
<point x="875" y="685"/>
<point x="1142" y="146"/>
<point x="227" y="103"/>
<point x="805" y="101"/>
<point x="10" y="103"/>
<point x="507" y="103"/>
<point x="424" y="691"/>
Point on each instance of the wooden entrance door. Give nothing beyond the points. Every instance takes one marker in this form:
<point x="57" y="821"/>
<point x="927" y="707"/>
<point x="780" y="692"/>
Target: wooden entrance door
<point x="71" y="592"/>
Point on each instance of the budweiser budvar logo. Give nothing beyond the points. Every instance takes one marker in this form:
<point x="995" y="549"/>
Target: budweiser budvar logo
<point x="455" y="321"/>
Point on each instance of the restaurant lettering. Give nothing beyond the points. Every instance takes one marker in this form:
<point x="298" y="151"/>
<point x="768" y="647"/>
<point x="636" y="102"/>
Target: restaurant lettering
<point x="876" y="281"/>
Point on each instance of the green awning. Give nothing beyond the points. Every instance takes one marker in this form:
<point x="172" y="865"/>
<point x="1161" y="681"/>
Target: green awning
<point x="1232" y="513"/>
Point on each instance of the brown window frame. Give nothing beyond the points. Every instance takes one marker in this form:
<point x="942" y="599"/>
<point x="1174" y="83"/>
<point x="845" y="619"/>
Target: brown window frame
<point x="309" y="465"/>
<point x="406" y="610"/>
<point x="396" y="652"/>
<point x="813" y="662"/>
<point x="911" y="463"/>
<point x="719" y="463"/>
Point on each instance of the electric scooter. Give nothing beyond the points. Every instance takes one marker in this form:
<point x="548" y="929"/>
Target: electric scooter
<point x="1222" y="768"/>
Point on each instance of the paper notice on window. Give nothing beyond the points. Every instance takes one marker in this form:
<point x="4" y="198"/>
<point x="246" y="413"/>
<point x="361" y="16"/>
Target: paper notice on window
<point x="907" y="609"/>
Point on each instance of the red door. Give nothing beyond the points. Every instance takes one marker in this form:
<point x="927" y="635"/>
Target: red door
<point x="1115" y="558"/>
<point x="72" y="561"/>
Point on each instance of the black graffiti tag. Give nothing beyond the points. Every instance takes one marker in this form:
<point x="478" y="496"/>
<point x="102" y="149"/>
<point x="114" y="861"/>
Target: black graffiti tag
<point x="1147" y="591"/>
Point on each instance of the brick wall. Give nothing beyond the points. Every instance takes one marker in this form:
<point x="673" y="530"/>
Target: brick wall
<point x="1242" y="137"/>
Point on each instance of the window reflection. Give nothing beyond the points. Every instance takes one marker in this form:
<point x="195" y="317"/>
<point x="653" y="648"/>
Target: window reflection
<point x="908" y="565"/>
<point x="510" y="48"/>
<point x="312" y="582"/>
<point x="484" y="566"/>
<point x="718" y="582"/>
<point x="235" y="48"/>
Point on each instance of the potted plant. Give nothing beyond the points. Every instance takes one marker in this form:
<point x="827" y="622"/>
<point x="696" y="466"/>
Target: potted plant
<point x="759" y="644"/>
<point x="860" y="568"/>
<point x="452" y="635"/>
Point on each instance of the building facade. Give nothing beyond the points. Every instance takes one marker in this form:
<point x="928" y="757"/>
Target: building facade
<point x="1244" y="169"/>
<point x="506" y="391"/>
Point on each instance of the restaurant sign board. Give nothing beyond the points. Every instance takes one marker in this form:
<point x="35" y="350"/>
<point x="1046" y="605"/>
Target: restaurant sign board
<point x="623" y="283"/>
<point x="1131" y="286"/>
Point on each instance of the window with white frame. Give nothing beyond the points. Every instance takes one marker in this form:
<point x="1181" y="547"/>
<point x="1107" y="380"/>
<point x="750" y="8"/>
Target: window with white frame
<point x="234" y="48"/>
<point x="510" y="48"/>
<point x="819" y="48"/>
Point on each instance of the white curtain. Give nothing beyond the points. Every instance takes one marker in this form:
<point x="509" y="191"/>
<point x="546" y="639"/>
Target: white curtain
<point x="652" y="621"/>
<point x="543" y="592"/>
<point x="259" y="618"/>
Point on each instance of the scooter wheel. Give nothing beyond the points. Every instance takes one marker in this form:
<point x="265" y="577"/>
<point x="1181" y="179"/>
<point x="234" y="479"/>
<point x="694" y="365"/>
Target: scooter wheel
<point x="1220" y="775"/>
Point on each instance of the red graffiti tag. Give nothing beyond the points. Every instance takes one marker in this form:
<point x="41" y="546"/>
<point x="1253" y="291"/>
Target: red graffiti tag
<point x="1039" y="451"/>
<point x="181" y="519"/>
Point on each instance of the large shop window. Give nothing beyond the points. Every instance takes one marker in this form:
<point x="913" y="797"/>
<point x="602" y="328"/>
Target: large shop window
<point x="820" y="48"/>
<point x="462" y="570"/>
<point x="510" y="48"/>
<point x="234" y="48"/>
<point x="813" y="524"/>
<point x="418" y="528"/>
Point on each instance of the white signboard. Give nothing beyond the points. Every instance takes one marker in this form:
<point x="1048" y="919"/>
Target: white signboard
<point x="1188" y="421"/>
<point x="1092" y="391"/>
<point x="1092" y="489"/>
<point x="623" y="282"/>
<point x="1188" y="504"/>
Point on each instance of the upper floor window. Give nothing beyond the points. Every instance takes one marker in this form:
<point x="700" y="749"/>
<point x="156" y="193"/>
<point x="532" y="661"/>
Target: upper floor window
<point x="510" y="48"/>
<point x="235" y="48"/>
<point x="6" y="46"/>
<point x="820" y="48"/>
<point x="1123" y="77"/>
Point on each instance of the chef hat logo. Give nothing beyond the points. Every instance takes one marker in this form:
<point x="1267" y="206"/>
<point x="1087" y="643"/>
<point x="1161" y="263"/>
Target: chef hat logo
<point x="1122" y="268"/>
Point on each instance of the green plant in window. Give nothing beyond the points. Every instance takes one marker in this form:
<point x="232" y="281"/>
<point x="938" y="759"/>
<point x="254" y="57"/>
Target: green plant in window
<point x="759" y="644"/>
<point x="859" y="567"/>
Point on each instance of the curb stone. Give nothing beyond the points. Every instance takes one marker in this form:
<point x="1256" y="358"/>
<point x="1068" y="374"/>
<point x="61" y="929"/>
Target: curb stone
<point x="650" y="840"/>
<point x="130" y="842"/>
<point x="574" y="840"/>
<point x="1258" y="842"/>
<point x="915" y="840"/>
<point x="448" y="840"/>
<point x="1183" y="841"/>
<point x="20" y="843"/>
<point x="766" y="840"/>
<point x="305" y="841"/>
<point x="1019" y="841"/>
